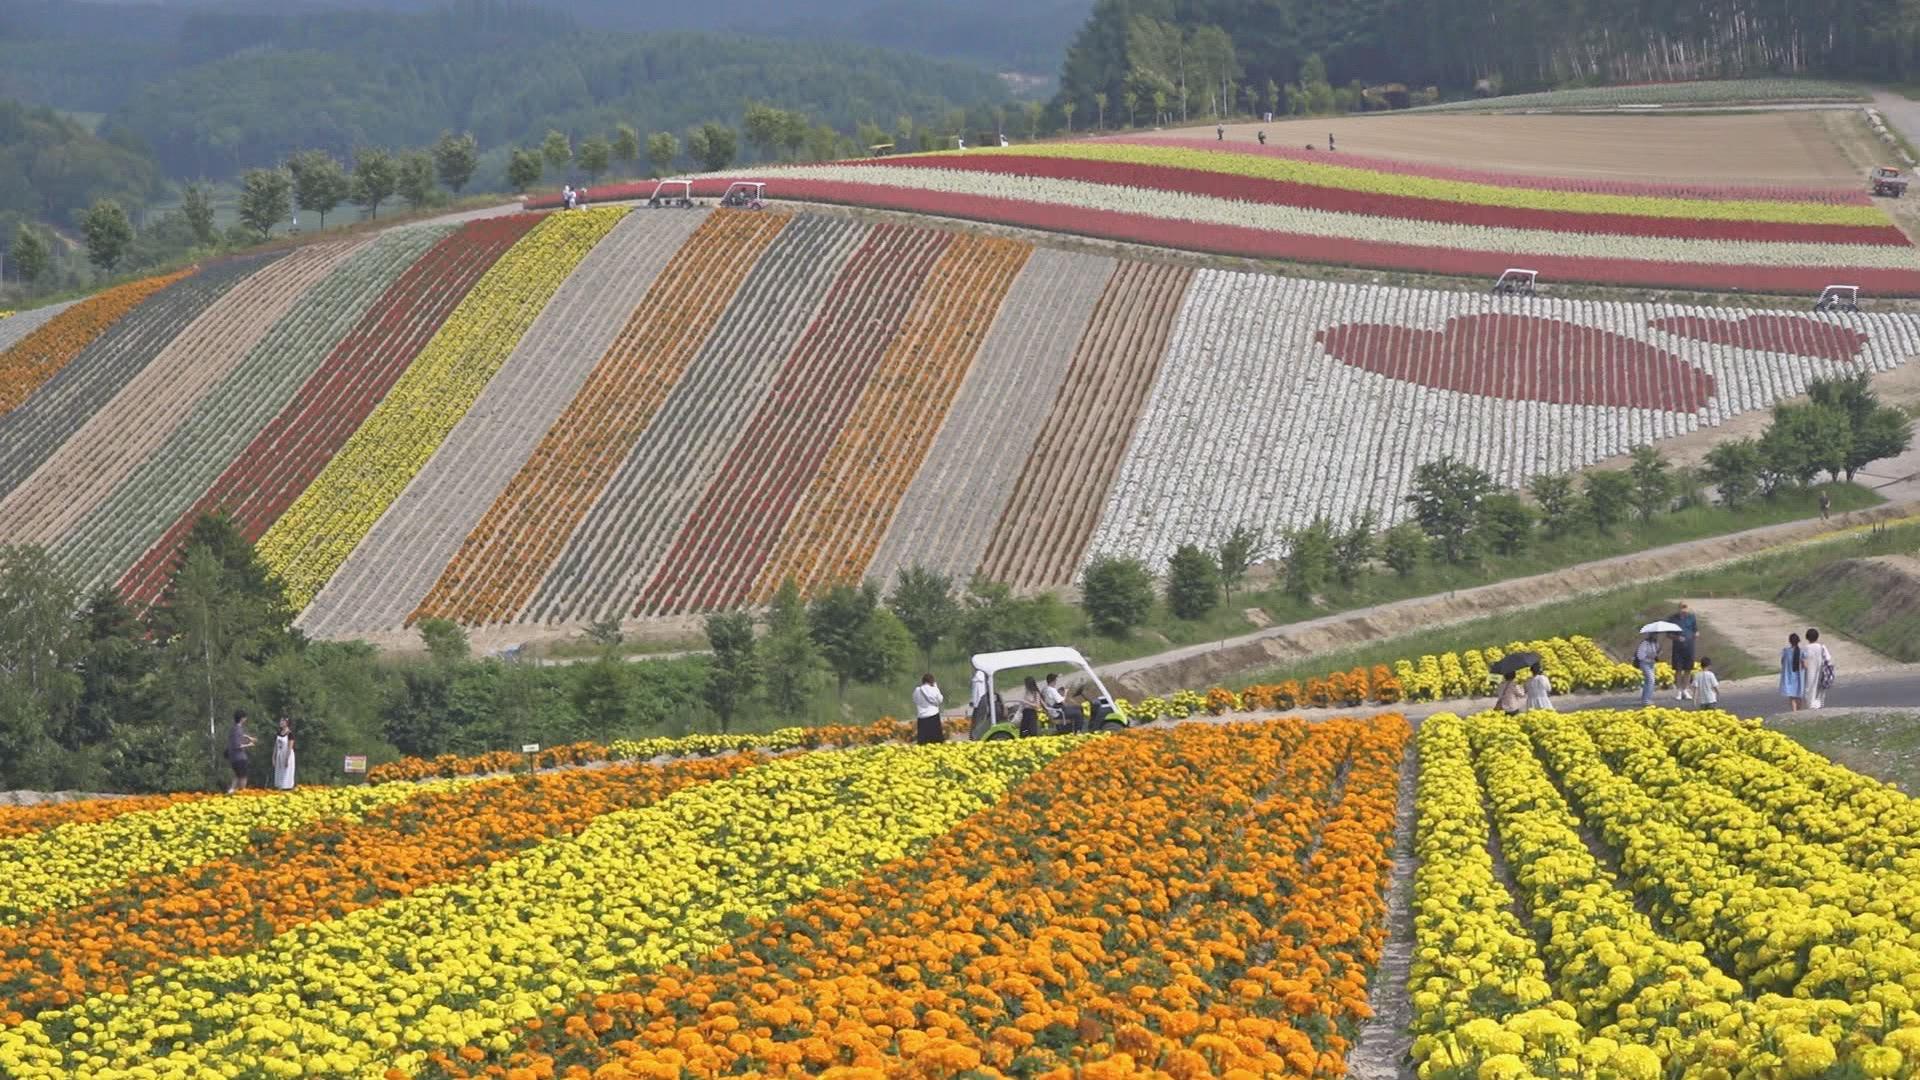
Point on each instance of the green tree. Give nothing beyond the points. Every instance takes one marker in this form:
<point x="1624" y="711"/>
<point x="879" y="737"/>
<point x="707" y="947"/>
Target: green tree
<point x="1875" y="430"/>
<point x="761" y="125"/>
<point x="1242" y="549"/>
<point x="1609" y="495"/>
<point x="1446" y="502"/>
<point x="523" y="169"/>
<point x="790" y="661"/>
<point x="1193" y="582"/>
<point x="108" y="234"/>
<point x="734" y="675"/>
<point x="319" y="183"/>
<point x="626" y="144"/>
<point x="114" y="661"/>
<point x="415" y="180"/>
<point x="713" y="146"/>
<point x="1558" y="501"/>
<point x="662" y="148"/>
<point x="993" y="619"/>
<point x="1100" y="110"/>
<point x="1404" y="547"/>
<point x="454" y="158"/>
<point x="376" y="175"/>
<point x="1116" y="592"/>
<point x="1506" y="523"/>
<point x="1355" y="548"/>
<point x="38" y="686"/>
<point x="1652" y="482"/>
<point x="596" y="157"/>
<point x="1804" y="440"/>
<point x="1733" y="468"/>
<point x="847" y="626"/>
<point x="924" y="602"/>
<point x="446" y="642"/>
<point x="29" y="252"/>
<point x="1310" y="555"/>
<point x="556" y="150"/>
<point x="196" y="205"/>
<point x="266" y="198"/>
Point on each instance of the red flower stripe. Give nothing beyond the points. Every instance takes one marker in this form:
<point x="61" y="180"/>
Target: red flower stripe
<point x="1838" y="196"/>
<point x="292" y="449"/>
<point x="732" y="530"/>
<point x="1796" y="334"/>
<point x="1344" y="201"/>
<point x="1262" y="244"/>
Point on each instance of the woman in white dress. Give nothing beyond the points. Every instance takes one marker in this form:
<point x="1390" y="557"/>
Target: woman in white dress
<point x="1817" y="657"/>
<point x="283" y="756"/>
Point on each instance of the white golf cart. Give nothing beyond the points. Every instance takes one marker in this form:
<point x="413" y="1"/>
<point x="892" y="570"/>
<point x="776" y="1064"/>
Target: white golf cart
<point x="1515" y="281"/>
<point x="1838" y="298"/>
<point x="745" y="195"/>
<point x="994" y="719"/>
<point x="672" y="193"/>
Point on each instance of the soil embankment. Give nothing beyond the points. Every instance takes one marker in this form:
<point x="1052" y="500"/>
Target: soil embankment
<point x="1874" y="600"/>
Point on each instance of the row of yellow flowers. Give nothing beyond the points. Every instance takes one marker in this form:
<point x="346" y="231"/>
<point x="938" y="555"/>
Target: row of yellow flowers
<point x="56" y="867"/>
<point x="464" y="961"/>
<point x="1608" y="992"/>
<point x="1373" y="181"/>
<point x="317" y="533"/>
<point x="1217" y="917"/>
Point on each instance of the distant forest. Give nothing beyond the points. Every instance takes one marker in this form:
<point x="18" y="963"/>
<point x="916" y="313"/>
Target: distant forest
<point x="213" y="93"/>
<point x="1277" y="48"/>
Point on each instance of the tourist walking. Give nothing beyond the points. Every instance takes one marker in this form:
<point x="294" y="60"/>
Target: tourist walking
<point x="283" y="756"/>
<point x="1826" y="503"/>
<point x="1793" y="672"/>
<point x="1539" y="689"/>
<point x="927" y="700"/>
<point x="1817" y="675"/>
<point x="1512" y="699"/>
<point x="1707" y="684"/>
<point x="238" y="743"/>
<point x="1220" y="134"/>
<point x="1683" y="642"/>
<point x="1644" y="658"/>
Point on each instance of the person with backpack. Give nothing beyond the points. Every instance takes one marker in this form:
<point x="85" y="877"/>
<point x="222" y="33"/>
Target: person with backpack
<point x="1793" y="672"/>
<point x="1818" y="677"/>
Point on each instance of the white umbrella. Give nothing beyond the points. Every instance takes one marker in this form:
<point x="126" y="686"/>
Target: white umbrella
<point x="1661" y="627"/>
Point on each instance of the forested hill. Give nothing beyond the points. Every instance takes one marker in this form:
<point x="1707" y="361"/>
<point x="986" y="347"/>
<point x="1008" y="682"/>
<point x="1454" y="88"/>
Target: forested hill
<point x="1454" y="44"/>
<point x="214" y="93"/>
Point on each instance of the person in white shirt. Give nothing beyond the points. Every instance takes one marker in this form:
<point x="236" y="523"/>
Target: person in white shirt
<point x="1056" y="702"/>
<point x="1539" y="689"/>
<point x="1706" y="685"/>
<point x="1644" y="657"/>
<point x="977" y="689"/>
<point x="1817" y="657"/>
<point x="927" y="700"/>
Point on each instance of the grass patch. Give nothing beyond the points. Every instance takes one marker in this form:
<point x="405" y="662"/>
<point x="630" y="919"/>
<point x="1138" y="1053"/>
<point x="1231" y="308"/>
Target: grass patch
<point x="1883" y="745"/>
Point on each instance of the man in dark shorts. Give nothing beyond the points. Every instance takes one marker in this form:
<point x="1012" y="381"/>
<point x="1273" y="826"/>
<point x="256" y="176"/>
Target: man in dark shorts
<point x="238" y="743"/>
<point x="1683" y="642"/>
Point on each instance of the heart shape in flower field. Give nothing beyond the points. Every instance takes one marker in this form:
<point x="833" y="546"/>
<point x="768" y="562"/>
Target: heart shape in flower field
<point x="1524" y="358"/>
<point x="1793" y="334"/>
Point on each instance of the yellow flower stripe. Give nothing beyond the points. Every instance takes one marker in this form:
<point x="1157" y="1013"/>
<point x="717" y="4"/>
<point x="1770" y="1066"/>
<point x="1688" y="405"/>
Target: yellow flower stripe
<point x="334" y="513"/>
<point x="1350" y="178"/>
<point x="466" y="961"/>
<point x="1571" y="663"/>
<point x="54" y="868"/>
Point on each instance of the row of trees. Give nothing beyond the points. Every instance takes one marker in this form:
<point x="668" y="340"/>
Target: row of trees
<point x="1841" y="428"/>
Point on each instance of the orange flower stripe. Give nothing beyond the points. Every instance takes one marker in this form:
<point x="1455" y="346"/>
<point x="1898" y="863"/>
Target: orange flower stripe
<point x="22" y="820"/>
<point x="834" y="532"/>
<point x="502" y="561"/>
<point x="40" y="355"/>
<point x="1201" y="901"/>
<point x="324" y="871"/>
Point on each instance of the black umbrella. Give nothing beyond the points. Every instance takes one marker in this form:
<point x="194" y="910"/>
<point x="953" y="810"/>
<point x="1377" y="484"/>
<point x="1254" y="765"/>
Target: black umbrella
<point x="1513" y="663"/>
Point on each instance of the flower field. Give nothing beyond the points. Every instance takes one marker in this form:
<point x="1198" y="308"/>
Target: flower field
<point x="1671" y="893"/>
<point x="1279" y="204"/>
<point x="1704" y="92"/>
<point x="724" y="914"/>
<point x="40" y="343"/>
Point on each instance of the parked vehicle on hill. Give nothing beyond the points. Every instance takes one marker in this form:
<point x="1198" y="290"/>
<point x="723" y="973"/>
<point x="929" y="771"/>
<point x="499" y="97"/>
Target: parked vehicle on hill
<point x="1515" y="282"/>
<point x="677" y="194"/>
<point x="1838" y="298"/>
<point x="745" y="195"/>
<point x="1887" y="181"/>
<point x="995" y="719"/>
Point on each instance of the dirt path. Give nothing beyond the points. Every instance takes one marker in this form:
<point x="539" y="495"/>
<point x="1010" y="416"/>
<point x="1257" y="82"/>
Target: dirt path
<point x="1784" y="147"/>
<point x="1207" y="664"/>
<point x="1380" y="1053"/>
<point x="1760" y="630"/>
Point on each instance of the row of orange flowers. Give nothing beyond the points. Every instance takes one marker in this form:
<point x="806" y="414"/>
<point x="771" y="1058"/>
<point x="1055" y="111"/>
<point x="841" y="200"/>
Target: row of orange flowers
<point x="1202" y="901"/>
<point x="40" y="355"/>
<point x="837" y="526"/>
<point x="503" y="560"/>
<point x="234" y="905"/>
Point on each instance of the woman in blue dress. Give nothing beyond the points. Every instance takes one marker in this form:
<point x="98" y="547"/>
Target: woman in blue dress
<point x="1793" y="672"/>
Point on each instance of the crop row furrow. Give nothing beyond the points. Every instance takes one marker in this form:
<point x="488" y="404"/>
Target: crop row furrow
<point x="621" y="541"/>
<point x="48" y="343"/>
